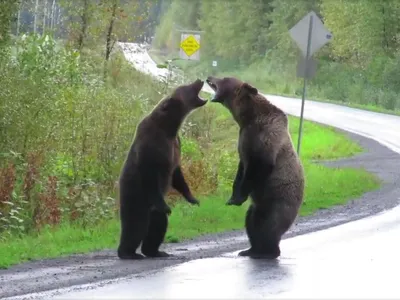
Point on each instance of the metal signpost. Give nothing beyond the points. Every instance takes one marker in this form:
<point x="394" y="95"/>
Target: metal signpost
<point x="214" y="67"/>
<point x="310" y="35"/>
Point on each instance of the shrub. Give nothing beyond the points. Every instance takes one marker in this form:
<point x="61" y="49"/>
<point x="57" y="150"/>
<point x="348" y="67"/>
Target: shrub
<point x="65" y="132"/>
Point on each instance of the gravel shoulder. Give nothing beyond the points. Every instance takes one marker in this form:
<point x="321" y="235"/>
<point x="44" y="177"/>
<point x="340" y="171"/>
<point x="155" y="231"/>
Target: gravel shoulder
<point x="42" y="275"/>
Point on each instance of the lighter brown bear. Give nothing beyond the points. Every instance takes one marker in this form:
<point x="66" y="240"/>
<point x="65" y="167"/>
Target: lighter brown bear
<point x="269" y="169"/>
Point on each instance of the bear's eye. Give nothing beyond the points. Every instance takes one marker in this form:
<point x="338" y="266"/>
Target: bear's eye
<point x="164" y="106"/>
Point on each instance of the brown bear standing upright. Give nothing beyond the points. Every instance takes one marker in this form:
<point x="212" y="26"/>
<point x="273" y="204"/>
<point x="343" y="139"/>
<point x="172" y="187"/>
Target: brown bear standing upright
<point x="151" y="167"/>
<point x="269" y="169"/>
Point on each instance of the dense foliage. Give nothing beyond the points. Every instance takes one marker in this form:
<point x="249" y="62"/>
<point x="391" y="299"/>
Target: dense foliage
<point x="359" y="66"/>
<point x="70" y="103"/>
<point x="68" y="112"/>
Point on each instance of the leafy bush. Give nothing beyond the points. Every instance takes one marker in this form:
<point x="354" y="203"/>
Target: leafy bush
<point x="65" y="132"/>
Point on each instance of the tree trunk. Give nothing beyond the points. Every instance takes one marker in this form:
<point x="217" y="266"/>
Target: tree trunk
<point x="18" y="19"/>
<point x="109" y="42"/>
<point x="84" y="24"/>
<point x="58" y="15"/>
<point x="44" y="16"/>
<point x="35" y="16"/>
<point x="52" y="15"/>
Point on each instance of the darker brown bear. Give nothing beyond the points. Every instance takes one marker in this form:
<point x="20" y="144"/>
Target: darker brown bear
<point x="269" y="169"/>
<point x="151" y="168"/>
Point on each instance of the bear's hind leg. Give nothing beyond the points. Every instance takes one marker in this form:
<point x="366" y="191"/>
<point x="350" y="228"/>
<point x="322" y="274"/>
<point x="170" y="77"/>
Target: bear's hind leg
<point x="268" y="235"/>
<point x="155" y="235"/>
<point x="133" y="231"/>
<point x="270" y="249"/>
<point x="277" y="220"/>
<point x="251" y="232"/>
<point x="262" y="235"/>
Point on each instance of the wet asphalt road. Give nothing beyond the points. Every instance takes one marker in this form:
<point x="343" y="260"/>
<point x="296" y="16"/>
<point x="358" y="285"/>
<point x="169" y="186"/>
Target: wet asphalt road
<point x="354" y="260"/>
<point x="330" y="261"/>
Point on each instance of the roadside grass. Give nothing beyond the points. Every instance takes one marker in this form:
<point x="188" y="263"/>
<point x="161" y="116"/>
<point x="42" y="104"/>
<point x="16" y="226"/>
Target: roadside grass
<point x="325" y="187"/>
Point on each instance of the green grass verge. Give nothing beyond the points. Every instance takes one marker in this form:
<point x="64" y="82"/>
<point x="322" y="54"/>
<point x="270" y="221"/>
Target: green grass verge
<point x="325" y="187"/>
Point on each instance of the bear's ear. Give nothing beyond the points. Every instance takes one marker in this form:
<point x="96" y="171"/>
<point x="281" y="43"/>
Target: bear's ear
<point x="250" y="89"/>
<point x="246" y="89"/>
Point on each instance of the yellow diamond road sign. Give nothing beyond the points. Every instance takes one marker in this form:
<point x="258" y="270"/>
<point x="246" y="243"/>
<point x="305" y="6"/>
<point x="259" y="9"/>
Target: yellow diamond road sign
<point x="190" y="45"/>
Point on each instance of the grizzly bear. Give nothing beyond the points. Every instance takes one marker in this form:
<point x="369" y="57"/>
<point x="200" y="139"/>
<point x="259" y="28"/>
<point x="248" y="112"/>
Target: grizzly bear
<point x="152" y="166"/>
<point x="269" y="169"/>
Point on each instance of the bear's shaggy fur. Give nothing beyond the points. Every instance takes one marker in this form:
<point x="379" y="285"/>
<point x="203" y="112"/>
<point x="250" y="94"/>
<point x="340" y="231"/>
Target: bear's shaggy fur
<point x="269" y="169"/>
<point x="152" y="166"/>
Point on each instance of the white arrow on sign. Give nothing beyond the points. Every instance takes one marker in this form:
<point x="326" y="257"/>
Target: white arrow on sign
<point x="319" y="36"/>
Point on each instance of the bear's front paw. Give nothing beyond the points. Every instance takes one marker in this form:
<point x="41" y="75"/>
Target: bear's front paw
<point x="233" y="201"/>
<point x="194" y="201"/>
<point x="167" y="209"/>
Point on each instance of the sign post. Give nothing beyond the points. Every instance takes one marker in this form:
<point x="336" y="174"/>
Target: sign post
<point x="214" y="67"/>
<point x="306" y="64"/>
<point x="310" y="35"/>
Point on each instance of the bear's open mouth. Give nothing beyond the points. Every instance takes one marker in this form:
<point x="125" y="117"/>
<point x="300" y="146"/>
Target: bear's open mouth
<point x="212" y="85"/>
<point x="200" y="85"/>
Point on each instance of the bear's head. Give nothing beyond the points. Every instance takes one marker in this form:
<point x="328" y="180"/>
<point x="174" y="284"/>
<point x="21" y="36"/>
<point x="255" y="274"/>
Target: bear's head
<point x="170" y="113"/>
<point x="184" y="99"/>
<point x="233" y="93"/>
